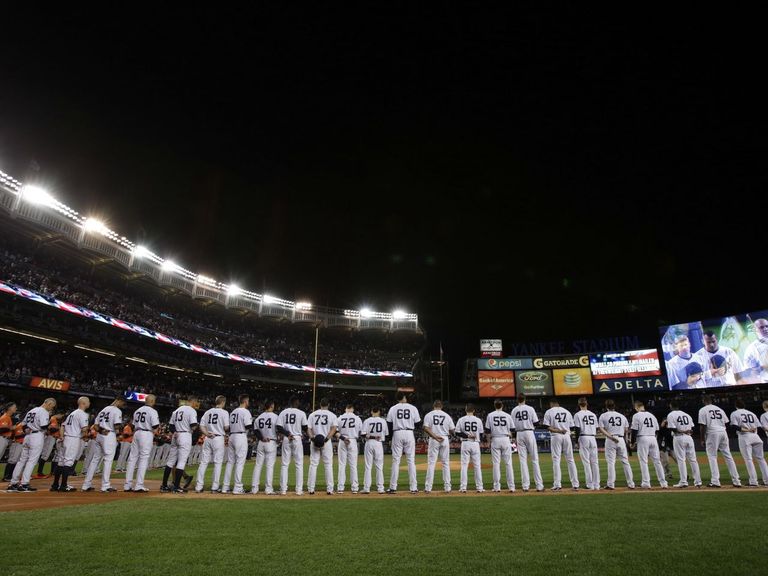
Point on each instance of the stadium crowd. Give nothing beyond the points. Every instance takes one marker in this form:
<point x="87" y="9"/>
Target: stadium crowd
<point x="70" y="281"/>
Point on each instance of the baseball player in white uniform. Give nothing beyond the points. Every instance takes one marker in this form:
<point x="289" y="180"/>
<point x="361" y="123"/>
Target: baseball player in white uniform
<point x="756" y="354"/>
<point x="585" y="423"/>
<point x="644" y="428"/>
<point x="375" y="431"/>
<point x="292" y="423"/>
<point x="183" y="422"/>
<point x="500" y="427"/>
<point x="750" y="444"/>
<point x="145" y="423"/>
<point x="214" y="425"/>
<point x="6" y="426"/>
<point x="676" y="365"/>
<point x="615" y="427"/>
<point x="322" y="427"/>
<point x="240" y="421"/>
<point x="715" y="437"/>
<point x="438" y="425"/>
<point x="728" y="371"/>
<point x="349" y="427"/>
<point x="559" y="423"/>
<point x="682" y="425"/>
<point x="109" y="422"/>
<point x="265" y="429"/>
<point x="403" y="417"/>
<point x="73" y="430"/>
<point x="524" y="418"/>
<point x="470" y="429"/>
<point x="35" y="424"/>
<point x="764" y="417"/>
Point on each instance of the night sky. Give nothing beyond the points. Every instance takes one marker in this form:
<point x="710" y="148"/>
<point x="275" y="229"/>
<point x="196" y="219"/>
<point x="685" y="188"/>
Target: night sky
<point x="523" y="175"/>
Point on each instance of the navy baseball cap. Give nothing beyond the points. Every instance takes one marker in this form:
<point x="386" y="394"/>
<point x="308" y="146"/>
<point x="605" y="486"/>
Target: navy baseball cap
<point x="717" y="360"/>
<point x="693" y="368"/>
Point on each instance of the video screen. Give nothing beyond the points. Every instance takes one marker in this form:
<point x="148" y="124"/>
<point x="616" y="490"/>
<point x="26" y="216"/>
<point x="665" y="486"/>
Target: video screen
<point x="135" y="396"/>
<point x="632" y="364"/>
<point x="729" y="351"/>
<point x="572" y="381"/>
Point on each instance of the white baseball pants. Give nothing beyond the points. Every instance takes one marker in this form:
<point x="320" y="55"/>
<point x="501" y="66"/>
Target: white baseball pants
<point x="213" y="451"/>
<point x="614" y="450"/>
<point x="181" y="446"/>
<point x="347" y="454"/>
<point x="685" y="451"/>
<point x="562" y="447"/>
<point x="266" y="454"/>
<point x="237" y="451"/>
<point x="438" y="451"/>
<point x="718" y="440"/>
<point x="315" y="455"/>
<point x="292" y="450"/>
<point x="403" y="442"/>
<point x="470" y="452"/>
<point x="501" y="451"/>
<point x="751" y="448"/>
<point x="104" y="447"/>
<point x="647" y="446"/>
<point x="526" y="445"/>
<point x="373" y="456"/>
<point x="30" y="454"/>
<point x="588" y="455"/>
<point x="138" y="459"/>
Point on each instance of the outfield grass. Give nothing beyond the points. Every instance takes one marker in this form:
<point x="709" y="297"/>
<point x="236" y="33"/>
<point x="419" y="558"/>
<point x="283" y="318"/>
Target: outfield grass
<point x="705" y="532"/>
<point x="545" y="465"/>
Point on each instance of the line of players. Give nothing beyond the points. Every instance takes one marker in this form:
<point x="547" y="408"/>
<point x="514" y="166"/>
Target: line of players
<point x="321" y="426"/>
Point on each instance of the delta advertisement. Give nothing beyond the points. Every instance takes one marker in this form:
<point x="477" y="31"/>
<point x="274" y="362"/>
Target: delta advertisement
<point x="630" y="371"/>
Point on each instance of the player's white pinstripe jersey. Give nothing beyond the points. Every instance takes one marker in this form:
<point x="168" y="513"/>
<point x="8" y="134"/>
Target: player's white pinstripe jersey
<point x="215" y="420"/>
<point x="183" y="418"/>
<point x="499" y="424"/>
<point x="239" y="420"/>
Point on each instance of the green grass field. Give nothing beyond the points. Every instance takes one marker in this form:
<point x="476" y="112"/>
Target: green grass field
<point x="659" y="532"/>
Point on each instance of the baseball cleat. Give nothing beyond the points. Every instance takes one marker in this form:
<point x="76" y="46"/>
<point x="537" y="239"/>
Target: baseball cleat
<point x="110" y="489"/>
<point x="414" y="491"/>
<point x="89" y="489"/>
<point x="554" y="489"/>
<point x="217" y="491"/>
<point x="53" y="489"/>
<point x="27" y="488"/>
<point x="539" y="489"/>
<point x="753" y="485"/>
<point x="498" y="490"/>
<point x="128" y="489"/>
<point x="180" y="491"/>
<point x="710" y="485"/>
<point x="12" y="488"/>
<point x="575" y="488"/>
<point x="609" y="487"/>
<point x="299" y="493"/>
<point x="462" y="491"/>
<point x="283" y="493"/>
<point x="382" y="492"/>
<point x="512" y="489"/>
<point x="311" y="492"/>
<point x="391" y="491"/>
<point x="681" y="485"/>
<point x="365" y="492"/>
<point x="68" y="489"/>
<point x="329" y="493"/>
<point x="736" y="485"/>
<point x="141" y="490"/>
<point x="479" y="490"/>
<point x="427" y="491"/>
<point x="165" y="489"/>
<point x="353" y="492"/>
<point x="270" y="492"/>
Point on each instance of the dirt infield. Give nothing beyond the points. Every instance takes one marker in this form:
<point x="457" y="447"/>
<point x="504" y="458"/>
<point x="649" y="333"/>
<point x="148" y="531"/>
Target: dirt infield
<point x="44" y="499"/>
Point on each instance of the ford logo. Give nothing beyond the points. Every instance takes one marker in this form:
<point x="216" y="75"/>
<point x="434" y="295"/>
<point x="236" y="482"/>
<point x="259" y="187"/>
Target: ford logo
<point x="533" y="376"/>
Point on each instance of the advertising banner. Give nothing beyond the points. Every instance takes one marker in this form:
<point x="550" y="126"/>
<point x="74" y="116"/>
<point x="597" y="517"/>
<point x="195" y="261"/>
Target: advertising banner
<point x="534" y="382"/>
<point x="49" y="384"/>
<point x="492" y="383"/>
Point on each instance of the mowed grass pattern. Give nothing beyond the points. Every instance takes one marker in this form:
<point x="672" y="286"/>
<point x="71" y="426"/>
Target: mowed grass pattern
<point x="705" y="532"/>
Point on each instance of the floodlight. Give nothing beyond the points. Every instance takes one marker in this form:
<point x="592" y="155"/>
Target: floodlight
<point x="303" y="305"/>
<point x="169" y="266"/>
<point x="141" y="252"/>
<point x="37" y="195"/>
<point x="234" y="290"/>
<point x="267" y="299"/>
<point x="95" y="225"/>
<point x="366" y="312"/>
<point x="399" y="314"/>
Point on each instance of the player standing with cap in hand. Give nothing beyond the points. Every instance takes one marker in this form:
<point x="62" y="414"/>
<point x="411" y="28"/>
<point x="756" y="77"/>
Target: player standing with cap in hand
<point x="750" y="444"/>
<point x="73" y="430"/>
<point x="240" y="421"/>
<point x="265" y="429"/>
<point x="183" y="422"/>
<point x="322" y="427"/>
<point x="214" y="426"/>
<point x="499" y="425"/>
<point x="292" y="423"/>
<point x="375" y="431"/>
<point x="349" y="428"/>
<point x="559" y="422"/>
<point x="35" y="423"/>
<point x="585" y="423"/>
<point x="715" y="437"/>
<point x="108" y="423"/>
<point x="438" y="425"/>
<point x="524" y="418"/>
<point x="644" y="428"/>
<point x="681" y="425"/>
<point x="403" y="417"/>
<point x="615" y="427"/>
<point x="470" y="429"/>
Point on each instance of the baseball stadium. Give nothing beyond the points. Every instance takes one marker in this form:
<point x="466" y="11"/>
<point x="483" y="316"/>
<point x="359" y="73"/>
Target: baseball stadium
<point x="293" y="294"/>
